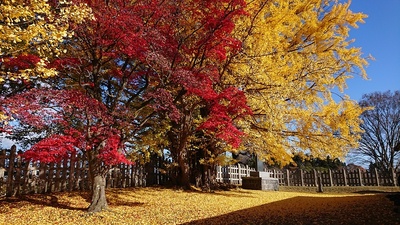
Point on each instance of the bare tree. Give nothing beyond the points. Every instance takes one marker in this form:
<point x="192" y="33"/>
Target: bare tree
<point x="379" y="145"/>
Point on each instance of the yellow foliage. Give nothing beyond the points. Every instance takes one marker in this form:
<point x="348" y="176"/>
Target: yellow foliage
<point x="35" y="26"/>
<point x="168" y="206"/>
<point x="296" y="54"/>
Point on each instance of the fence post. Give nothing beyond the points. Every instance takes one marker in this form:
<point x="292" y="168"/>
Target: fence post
<point x="18" y="173"/>
<point x="42" y="178"/>
<point x="330" y="177"/>
<point x="239" y="173"/>
<point x="218" y="172"/>
<point x="302" y="177"/>
<point x="64" y="177"/>
<point x="2" y="159"/>
<point x="34" y="179"/>
<point x="287" y="177"/>
<point x="57" y="179"/>
<point x="360" y="177"/>
<point x="345" y="177"/>
<point x="79" y="176"/>
<point x="393" y="177"/>
<point x="132" y="176"/>
<point x="319" y="178"/>
<point x="10" y="173"/>
<point x="2" y="168"/>
<point x="230" y="172"/>
<point x="123" y="175"/>
<point x="71" y="176"/>
<point x="315" y="177"/>
<point x="49" y="178"/>
<point x="376" y="176"/>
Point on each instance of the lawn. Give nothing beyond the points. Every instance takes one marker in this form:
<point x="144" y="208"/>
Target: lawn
<point x="170" y="206"/>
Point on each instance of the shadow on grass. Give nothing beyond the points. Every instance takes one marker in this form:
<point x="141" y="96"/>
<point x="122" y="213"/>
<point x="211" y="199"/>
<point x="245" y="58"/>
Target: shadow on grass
<point x="363" y="209"/>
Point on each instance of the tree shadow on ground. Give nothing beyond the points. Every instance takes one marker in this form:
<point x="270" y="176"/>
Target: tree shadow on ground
<point x="236" y="194"/>
<point x="39" y="200"/>
<point x="362" y="209"/>
<point x="369" y="192"/>
<point x="395" y="198"/>
<point x="116" y="198"/>
<point x="53" y="200"/>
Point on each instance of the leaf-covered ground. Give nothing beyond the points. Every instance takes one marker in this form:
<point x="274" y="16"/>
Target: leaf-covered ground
<point x="169" y="206"/>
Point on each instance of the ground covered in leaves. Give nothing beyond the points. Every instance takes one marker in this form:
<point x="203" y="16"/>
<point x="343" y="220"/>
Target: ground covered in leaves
<point x="171" y="206"/>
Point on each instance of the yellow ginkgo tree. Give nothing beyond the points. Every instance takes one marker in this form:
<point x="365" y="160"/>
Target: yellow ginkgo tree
<point x="33" y="30"/>
<point x="296" y="55"/>
<point x="30" y="33"/>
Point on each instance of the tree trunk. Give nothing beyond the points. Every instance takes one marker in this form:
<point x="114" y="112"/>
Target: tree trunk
<point x="183" y="175"/>
<point x="209" y="178"/>
<point x="183" y="158"/>
<point x="99" y="201"/>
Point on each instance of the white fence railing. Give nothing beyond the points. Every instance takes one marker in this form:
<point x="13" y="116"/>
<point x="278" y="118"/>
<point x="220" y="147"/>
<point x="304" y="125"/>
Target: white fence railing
<point x="233" y="174"/>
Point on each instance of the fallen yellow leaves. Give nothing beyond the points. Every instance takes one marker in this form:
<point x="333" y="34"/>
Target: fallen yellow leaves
<point x="169" y="206"/>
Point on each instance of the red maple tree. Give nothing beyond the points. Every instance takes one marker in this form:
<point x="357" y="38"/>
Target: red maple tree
<point x="193" y="74"/>
<point x="137" y="62"/>
<point x="82" y="124"/>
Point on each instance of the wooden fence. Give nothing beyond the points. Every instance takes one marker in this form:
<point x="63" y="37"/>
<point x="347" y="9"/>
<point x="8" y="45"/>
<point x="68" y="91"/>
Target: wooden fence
<point x="333" y="178"/>
<point x="20" y="177"/>
<point x="234" y="174"/>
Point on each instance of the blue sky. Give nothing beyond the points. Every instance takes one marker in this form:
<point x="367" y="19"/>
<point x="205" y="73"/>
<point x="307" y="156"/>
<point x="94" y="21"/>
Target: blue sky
<point x="380" y="37"/>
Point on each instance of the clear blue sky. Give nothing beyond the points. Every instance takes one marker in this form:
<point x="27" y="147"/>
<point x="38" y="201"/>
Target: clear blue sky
<point x="380" y="37"/>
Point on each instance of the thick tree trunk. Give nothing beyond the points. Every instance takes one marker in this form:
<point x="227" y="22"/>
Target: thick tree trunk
<point x="99" y="201"/>
<point x="209" y="179"/>
<point x="183" y="158"/>
<point x="184" y="174"/>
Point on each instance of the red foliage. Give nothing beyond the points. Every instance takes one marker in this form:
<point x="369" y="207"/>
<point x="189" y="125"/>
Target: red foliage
<point x="195" y="64"/>
<point x="130" y="46"/>
<point x="62" y="63"/>
<point x="21" y="62"/>
<point x="110" y="154"/>
<point x="163" y="101"/>
<point x="87" y="125"/>
<point x="52" y="149"/>
<point x="228" y="106"/>
<point x="119" y="28"/>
